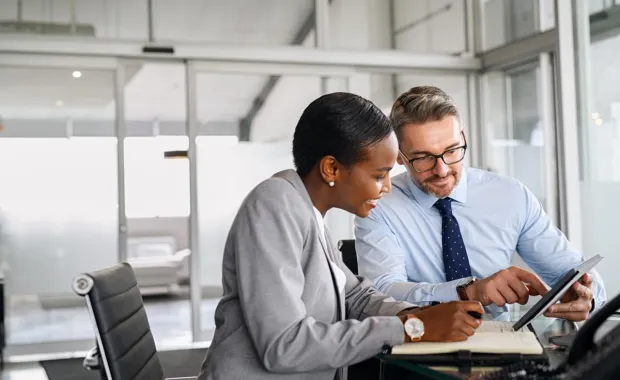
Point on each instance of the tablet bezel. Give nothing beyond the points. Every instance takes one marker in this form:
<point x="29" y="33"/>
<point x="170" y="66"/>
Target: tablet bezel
<point x="554" y="294"/>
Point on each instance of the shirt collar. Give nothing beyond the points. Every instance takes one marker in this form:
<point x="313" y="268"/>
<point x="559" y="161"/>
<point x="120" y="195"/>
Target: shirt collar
<point x="459" y="193"/>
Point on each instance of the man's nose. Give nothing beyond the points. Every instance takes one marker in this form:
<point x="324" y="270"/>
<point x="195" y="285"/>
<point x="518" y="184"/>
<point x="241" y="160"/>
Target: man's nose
<point x="441" y="169"/>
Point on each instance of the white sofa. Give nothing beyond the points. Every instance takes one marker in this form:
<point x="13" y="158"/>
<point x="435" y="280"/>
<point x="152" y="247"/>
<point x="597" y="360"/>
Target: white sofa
<point x="160" y="268"/>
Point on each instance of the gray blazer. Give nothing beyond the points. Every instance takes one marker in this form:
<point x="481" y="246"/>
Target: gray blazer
<point x="281" y="316"/>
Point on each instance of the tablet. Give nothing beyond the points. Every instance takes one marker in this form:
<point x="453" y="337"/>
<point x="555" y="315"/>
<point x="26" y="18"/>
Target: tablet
<point x="554" y="294"/>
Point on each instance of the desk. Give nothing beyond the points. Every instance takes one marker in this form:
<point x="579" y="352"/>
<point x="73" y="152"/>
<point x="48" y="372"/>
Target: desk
<point x="544" y="328"/>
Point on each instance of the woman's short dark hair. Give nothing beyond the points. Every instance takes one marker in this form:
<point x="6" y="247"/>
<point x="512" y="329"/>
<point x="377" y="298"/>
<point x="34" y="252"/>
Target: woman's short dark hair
<point x="341" y="125"/>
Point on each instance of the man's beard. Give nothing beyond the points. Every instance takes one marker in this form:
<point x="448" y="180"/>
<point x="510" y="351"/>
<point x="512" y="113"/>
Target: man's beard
<point x="426" y="185"/>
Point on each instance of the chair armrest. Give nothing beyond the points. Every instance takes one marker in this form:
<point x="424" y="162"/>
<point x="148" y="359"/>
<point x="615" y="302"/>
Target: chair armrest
<point x="182" y="378"/>
<point x="91" y="361"/>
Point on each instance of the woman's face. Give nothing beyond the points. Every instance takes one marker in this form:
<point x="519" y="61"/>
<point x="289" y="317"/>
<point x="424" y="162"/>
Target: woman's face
<point x="362" y="184"/>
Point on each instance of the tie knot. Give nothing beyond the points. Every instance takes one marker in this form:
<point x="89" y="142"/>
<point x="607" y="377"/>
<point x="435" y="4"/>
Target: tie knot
<point x="444" y="205"/>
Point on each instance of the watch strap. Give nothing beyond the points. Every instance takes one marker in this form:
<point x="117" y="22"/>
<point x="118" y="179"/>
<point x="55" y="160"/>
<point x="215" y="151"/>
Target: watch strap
<point x="461" y="289"/>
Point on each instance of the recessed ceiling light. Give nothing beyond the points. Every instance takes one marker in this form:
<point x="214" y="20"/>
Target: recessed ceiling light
<point x="59" y="103"/>
<point x="77" y="74"/>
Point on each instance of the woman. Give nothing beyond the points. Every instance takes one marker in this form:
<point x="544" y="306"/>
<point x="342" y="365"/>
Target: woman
<point x="291" y="309"/>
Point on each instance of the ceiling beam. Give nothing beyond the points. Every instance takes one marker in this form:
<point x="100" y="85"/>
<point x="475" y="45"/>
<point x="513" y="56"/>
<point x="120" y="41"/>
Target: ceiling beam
<point x="245" y="124"/>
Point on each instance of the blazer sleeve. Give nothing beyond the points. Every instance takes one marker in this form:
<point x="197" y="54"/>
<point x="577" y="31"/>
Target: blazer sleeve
<point x="268" y="240"/>
<point x="364" y="301"/>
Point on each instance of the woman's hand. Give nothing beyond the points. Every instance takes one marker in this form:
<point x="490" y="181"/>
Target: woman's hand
<point x="449" y="322"/>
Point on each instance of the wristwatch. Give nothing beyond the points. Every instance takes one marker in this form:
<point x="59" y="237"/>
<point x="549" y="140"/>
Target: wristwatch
<point x="461" y="287"/>
<point x="414" y="328"/>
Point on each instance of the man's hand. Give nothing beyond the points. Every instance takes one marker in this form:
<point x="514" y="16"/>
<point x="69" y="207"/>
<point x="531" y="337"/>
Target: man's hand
<point x="506" y="287"/>
<point x="576" y="304"/>
<point x="449" y="322"/>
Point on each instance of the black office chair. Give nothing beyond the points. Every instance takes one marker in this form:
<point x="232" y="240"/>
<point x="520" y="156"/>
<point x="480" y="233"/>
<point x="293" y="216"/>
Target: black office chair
<point x="125" y="347"/>
<point x="347" y="247"/>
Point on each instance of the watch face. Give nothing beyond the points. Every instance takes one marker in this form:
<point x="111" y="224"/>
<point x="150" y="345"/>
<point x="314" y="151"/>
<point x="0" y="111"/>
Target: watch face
<point x="414" y="327"/>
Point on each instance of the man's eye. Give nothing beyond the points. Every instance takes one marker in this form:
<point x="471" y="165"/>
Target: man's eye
<point x="424" y="159"/>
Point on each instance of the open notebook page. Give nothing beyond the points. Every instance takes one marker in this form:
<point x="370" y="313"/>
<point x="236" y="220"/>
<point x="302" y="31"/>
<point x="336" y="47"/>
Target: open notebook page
<point x="481" y="342"/>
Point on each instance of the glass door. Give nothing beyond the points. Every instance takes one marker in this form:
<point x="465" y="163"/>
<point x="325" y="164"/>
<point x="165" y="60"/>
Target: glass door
<point x="242" y="119"/>
<point x="59" y="194"/>
<point x="155" y="177"/>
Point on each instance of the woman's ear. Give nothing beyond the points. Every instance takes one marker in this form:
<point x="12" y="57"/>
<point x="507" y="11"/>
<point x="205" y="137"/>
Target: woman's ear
<point x="328" y="167"/>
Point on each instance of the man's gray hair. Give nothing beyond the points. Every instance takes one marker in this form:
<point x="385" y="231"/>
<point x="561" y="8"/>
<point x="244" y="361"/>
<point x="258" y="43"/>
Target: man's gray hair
<point x="422" y="104"/>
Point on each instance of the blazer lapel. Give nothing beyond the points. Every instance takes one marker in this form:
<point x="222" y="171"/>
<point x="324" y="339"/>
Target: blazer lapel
<point x="332" y="259"/>
<point x="292" y="177"/>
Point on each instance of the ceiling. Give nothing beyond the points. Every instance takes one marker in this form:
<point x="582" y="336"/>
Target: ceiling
<point x="152" y="90"/>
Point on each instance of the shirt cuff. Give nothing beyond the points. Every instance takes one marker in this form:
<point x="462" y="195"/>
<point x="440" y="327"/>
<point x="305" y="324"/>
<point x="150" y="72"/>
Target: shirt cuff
<point x="446" y="291"/>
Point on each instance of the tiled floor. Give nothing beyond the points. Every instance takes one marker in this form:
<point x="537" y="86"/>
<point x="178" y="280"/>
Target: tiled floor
<point x="170" y="322"/>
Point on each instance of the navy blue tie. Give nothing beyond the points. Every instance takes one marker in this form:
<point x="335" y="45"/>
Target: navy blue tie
<point x="455" y="261"/>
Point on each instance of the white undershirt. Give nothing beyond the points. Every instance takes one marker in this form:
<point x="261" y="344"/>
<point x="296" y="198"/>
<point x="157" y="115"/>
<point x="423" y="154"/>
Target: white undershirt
<point x="341" y="279"/>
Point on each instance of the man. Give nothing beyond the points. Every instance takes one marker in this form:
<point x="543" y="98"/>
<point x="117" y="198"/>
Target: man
<point x="446" y="232"/>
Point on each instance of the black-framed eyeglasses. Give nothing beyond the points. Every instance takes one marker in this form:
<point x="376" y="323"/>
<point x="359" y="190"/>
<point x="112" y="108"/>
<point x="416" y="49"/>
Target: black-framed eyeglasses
<point x="428" y="162"/>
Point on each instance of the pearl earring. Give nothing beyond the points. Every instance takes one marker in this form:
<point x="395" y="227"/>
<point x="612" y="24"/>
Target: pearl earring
<point x="331" y="184"/>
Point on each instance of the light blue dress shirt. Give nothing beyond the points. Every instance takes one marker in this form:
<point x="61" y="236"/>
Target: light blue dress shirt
<point x="399" y="245"/>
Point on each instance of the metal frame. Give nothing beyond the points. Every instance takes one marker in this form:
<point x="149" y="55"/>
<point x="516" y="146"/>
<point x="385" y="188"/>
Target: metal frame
<point x="475" y="118"/>
<point x="566" y="103"/>
<point x="239" y="53"/>
<point x="121" y="132"/>
<point x="58" y="62"/>
<point x="517" y="52"/>
<point x="270" y="68"/>
<point x="194" y="241"/>
<point x="599" y="25"/>
<point x="584" y="100"/>
<point x="510" y="156"/>
<point x="546" y="98"/>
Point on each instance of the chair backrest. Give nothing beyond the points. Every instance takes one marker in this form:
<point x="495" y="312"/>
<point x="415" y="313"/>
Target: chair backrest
<point x="347" y="247"/>
<point x="122" y="329"/>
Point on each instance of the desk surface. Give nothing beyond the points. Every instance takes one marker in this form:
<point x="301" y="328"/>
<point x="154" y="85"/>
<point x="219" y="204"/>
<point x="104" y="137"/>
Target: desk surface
<point x="544" y="328"/>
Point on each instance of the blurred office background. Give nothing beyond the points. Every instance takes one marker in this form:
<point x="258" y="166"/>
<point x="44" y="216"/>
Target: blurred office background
<point x="131" y="130"/>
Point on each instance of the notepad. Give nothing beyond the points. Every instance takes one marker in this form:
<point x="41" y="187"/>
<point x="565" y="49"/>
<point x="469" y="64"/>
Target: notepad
<point x="481" y="343"/>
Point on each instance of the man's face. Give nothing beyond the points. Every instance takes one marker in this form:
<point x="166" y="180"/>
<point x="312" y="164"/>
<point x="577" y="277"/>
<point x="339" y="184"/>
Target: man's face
<point x="418" y="141"/>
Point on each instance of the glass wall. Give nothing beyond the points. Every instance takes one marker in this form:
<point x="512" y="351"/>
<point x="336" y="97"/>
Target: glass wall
<point x="422" y="26"/>
<point x="248" y="22"/>
<point x="228" y="168"/>
<point x="600" y="144"/>
<point x="157" y="193"/>
<point x="103" y="19"/>
<point x="514" y="128"/>
<point x="58" y="199"/>
<point x="505" y="21"/>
